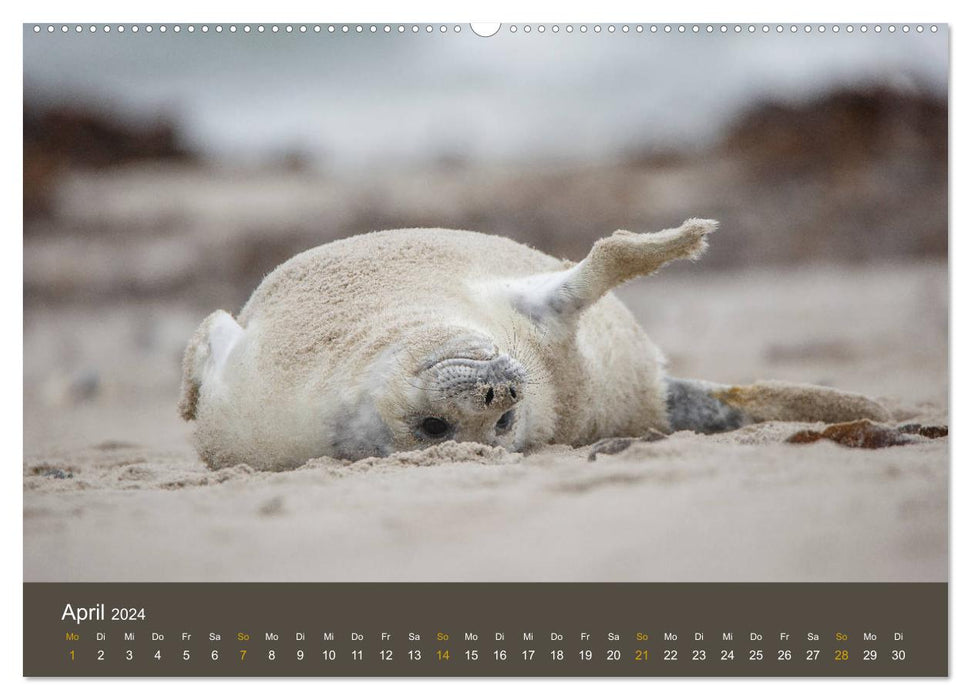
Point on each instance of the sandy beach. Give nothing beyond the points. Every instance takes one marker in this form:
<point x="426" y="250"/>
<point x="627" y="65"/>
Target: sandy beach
<point x="113" y="490"/>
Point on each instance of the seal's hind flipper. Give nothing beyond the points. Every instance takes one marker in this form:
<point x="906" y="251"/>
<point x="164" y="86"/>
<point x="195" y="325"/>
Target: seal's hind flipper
<point x="711" y="408"/>
<point x="205" y="357"/>
<point x="561" y="296"/>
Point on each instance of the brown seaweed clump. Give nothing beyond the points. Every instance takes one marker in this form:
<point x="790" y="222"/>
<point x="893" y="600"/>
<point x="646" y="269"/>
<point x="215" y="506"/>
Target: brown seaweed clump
<point x="927" y="431"/>
<point x="869" y="435"/>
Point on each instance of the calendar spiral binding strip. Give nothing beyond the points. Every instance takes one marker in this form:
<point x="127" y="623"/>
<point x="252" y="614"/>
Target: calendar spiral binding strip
<point x="441" y="29"/>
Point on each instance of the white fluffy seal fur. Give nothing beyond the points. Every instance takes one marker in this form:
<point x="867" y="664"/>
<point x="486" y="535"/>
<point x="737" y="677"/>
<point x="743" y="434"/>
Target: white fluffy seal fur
<point x="396" y="340"/>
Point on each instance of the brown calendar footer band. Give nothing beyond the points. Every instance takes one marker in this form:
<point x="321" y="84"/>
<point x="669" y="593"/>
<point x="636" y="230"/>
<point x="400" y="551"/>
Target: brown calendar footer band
<point x="485" y="629"/>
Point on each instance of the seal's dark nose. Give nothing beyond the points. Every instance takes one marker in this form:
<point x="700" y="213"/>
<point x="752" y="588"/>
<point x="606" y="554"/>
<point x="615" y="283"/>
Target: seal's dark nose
<point x="499" y="395"/>
<point x="500" y="384"/>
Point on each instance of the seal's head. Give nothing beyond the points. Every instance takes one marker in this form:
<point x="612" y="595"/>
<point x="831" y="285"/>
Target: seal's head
<point x="437" y="386"/>
<point x="468" y="397"/>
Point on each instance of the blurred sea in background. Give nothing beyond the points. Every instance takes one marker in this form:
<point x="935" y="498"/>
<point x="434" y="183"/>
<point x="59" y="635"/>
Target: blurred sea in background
<point x="362" y="101"/>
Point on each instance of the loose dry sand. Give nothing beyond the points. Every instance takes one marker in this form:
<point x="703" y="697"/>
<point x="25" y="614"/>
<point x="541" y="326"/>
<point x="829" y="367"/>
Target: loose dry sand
<point x="113" y="490"/>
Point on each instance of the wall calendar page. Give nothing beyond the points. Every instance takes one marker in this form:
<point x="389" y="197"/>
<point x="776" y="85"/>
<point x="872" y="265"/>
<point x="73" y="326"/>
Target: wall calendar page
<point x="485" y="350"/>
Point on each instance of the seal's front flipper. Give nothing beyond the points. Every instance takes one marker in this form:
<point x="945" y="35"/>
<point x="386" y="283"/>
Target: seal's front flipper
<point x="712" y="408"/>
<point x="612" y="261"/>
<point x="205" y="357"/>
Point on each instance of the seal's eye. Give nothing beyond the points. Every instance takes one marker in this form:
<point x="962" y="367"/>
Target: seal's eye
<point x="434" y="427"/>
<point x="504" y="422"/>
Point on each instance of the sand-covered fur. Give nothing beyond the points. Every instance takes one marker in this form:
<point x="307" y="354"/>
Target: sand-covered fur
<point x="334" y="338"/>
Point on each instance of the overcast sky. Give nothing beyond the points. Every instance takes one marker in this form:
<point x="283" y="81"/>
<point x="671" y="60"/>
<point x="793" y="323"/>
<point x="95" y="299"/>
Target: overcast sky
<point x="358" y="99"/>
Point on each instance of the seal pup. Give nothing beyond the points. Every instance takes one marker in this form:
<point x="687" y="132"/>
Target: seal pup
<point x="397" y="340"/>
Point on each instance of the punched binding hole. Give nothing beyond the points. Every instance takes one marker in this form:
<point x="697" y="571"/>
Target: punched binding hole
<point x="485" y="29"/>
